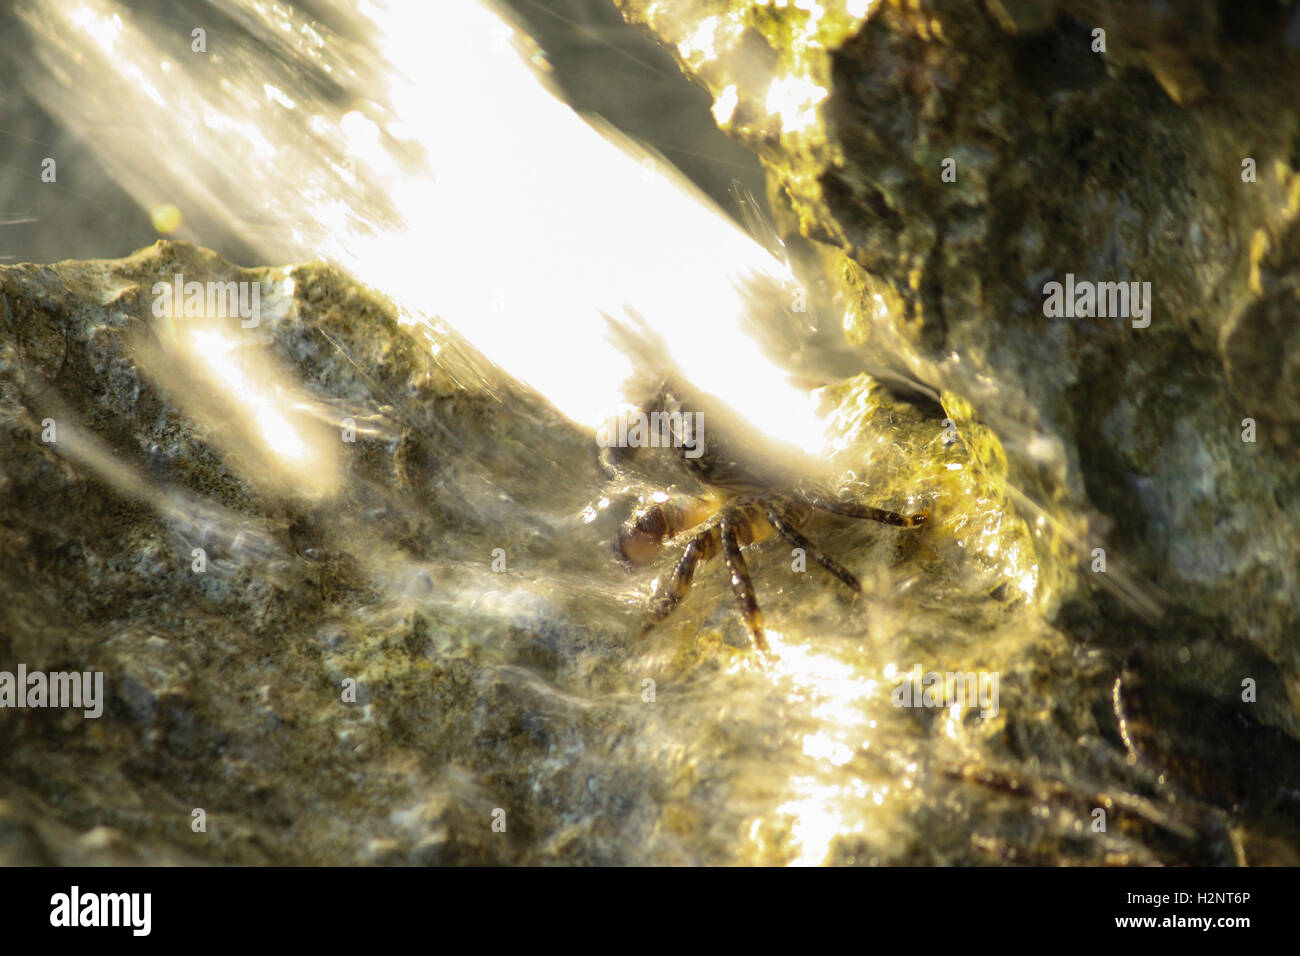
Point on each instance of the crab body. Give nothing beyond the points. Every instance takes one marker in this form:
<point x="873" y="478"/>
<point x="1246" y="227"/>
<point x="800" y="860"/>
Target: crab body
<point x="750" y="494"/>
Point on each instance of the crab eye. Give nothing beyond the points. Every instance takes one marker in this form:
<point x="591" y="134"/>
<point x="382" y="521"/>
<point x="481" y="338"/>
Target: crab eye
<point x="637" y="545"/>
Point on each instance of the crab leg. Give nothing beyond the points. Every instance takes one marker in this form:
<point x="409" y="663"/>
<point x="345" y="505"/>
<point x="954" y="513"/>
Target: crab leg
<point x="787" y="531"/>
<point x="851" y="510"/>
<point x="702" y="547"/>
<point x="741" y="585"/>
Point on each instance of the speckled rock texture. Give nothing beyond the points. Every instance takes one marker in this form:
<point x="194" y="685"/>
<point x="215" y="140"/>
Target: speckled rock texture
<point x="225" y="686"/>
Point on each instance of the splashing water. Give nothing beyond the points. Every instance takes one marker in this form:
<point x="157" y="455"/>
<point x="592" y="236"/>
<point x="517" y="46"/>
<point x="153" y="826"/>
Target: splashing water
<point x="460" y="187"/>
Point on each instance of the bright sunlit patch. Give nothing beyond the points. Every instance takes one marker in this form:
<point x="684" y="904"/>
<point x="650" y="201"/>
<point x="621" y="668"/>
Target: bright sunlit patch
<point x="216" y="357"/>
<point x="817" y="812"/>
<point x="1029" y="582"/>
<point x="97" y="24"/>
<point x="698" y="47"/>
<point x="822" y="747"/>
<point x="816" y="822"/>
<point x="822" y="807"/>
<point x="724" y="107"/>
<point x="278" y="95"/>
<point x="795" y="99"/>
<point x="808" y="32"/>
<point x="247" y="405"/>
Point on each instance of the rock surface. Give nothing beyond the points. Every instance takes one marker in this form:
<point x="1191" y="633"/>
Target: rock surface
<point x="352" y="590"/>
<point x="408" y="629"/>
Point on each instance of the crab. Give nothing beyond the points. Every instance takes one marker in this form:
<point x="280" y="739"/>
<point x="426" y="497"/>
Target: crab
<point x="751" y="492"/>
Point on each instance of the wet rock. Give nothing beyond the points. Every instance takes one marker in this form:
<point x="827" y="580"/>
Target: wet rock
<point x="366" y="612"/>
<point x="938" y="163"/>
<point x="369" y="612"/>
<point x="262" y="661"/>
